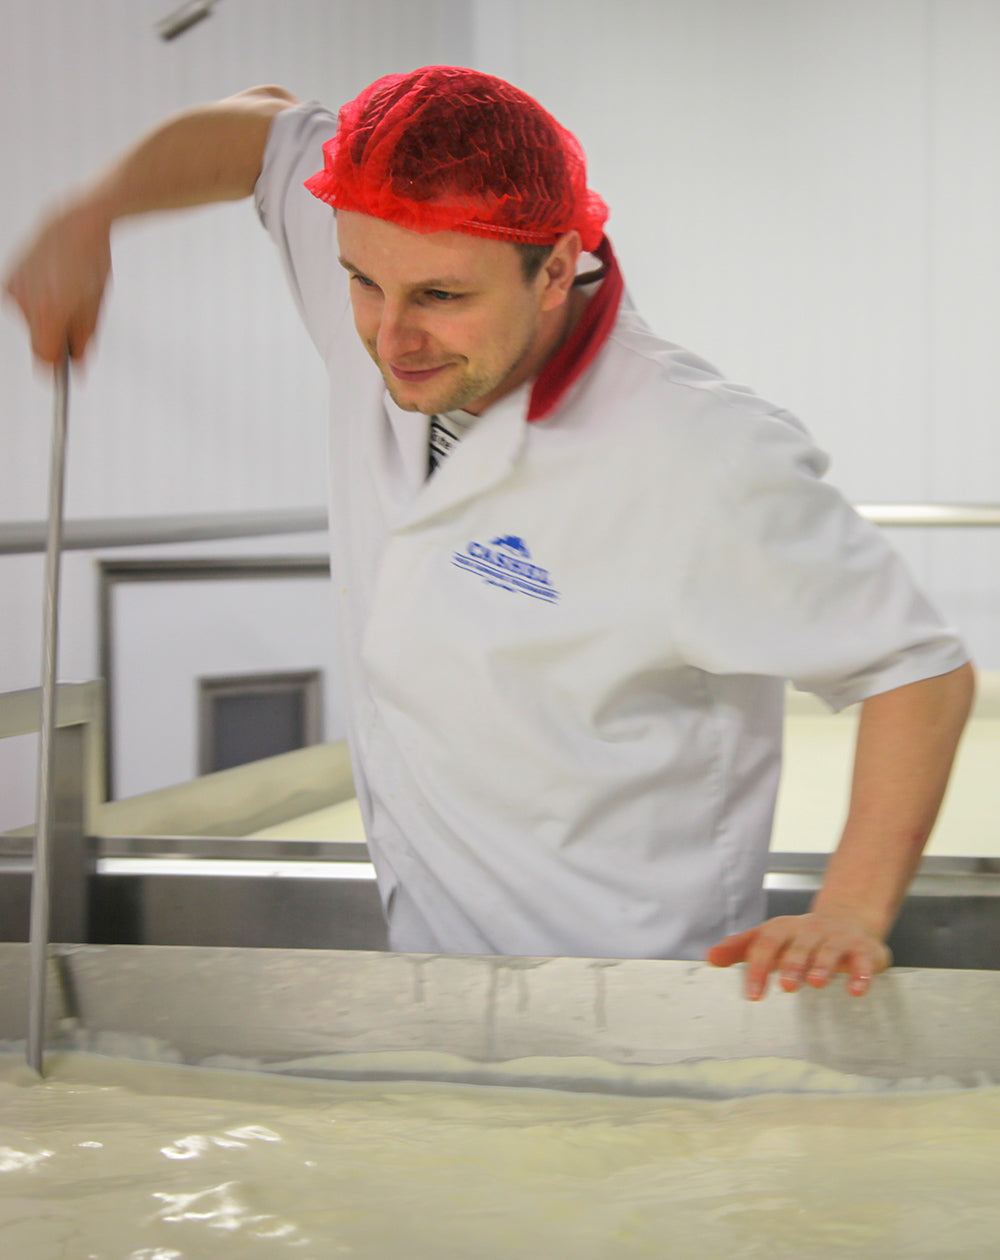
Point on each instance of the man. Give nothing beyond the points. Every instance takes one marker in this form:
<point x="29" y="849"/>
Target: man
<point x="574" y="566"/>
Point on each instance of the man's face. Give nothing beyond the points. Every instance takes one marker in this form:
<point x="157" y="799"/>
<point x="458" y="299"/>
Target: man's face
<point x="449" y="319"/>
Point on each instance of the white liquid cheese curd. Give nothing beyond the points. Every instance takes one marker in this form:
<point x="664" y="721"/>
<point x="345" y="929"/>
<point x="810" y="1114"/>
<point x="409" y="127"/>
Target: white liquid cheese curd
<point x="110" y="1160"/>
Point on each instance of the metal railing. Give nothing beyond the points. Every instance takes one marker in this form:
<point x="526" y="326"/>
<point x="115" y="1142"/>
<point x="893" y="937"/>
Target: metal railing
<point x="966" y="514"/>
<point x="21" y="537"/>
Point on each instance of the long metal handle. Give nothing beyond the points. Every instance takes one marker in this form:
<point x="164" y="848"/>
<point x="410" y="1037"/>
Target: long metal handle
<point x="39" y="927"/>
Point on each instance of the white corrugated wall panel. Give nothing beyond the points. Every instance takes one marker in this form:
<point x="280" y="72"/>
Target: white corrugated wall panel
<point x="203" y="394"/>
<point x="808" y="194"/>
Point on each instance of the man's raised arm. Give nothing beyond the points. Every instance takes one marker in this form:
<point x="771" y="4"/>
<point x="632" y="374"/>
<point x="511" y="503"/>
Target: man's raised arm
<point x="209" y="153"/>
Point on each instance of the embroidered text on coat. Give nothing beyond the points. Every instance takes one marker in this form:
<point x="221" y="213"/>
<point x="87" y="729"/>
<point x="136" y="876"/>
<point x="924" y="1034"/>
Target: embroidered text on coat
<point x="506" y="562"/>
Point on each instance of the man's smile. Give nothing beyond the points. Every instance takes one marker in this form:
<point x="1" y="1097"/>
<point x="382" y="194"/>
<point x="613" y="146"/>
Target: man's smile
<point x="415" y="375"/>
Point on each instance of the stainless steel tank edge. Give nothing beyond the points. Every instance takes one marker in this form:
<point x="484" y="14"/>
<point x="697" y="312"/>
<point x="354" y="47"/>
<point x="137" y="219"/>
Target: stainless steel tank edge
<point x="343" y="1013"/>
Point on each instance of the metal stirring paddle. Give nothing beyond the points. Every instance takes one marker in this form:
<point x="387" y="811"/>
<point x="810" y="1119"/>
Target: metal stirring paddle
<point x="39" y="926"/>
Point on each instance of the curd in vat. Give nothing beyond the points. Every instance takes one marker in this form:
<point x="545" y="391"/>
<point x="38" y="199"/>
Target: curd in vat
<point x="111" y="1160"/>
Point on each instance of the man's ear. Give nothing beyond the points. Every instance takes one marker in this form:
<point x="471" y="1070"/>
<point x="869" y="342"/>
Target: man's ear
<point x="559" y="270"/>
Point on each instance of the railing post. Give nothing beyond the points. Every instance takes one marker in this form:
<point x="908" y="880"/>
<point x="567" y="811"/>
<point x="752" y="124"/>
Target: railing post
<point x="73" y="855"/>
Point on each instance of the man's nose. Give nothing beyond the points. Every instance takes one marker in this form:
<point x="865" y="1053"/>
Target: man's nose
<point x="399" y="332"/>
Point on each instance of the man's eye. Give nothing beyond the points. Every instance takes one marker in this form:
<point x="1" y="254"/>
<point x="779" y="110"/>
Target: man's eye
<point x="364" y="281"/>
<point x="442" y="295"/>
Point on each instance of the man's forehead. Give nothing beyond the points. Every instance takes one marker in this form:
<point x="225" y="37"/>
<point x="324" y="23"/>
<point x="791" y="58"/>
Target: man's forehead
<point x="366" y="241"/>
<point x="441" y="279"/>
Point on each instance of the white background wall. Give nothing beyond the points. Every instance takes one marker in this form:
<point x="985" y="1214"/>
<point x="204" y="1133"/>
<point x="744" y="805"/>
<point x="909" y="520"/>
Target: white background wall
<point x="807" y="192"/>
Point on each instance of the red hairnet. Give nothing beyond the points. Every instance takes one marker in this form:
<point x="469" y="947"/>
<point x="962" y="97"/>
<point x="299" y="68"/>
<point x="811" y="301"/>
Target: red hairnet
<point x="447" y="149"/>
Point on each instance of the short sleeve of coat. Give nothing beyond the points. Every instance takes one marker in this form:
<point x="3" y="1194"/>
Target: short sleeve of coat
<point x="783" y="577"/>
<point x="302" y="226"/>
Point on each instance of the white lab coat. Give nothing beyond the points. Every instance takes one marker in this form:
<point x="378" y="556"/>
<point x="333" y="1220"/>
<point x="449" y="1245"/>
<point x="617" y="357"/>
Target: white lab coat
<point x="565" y="653"/>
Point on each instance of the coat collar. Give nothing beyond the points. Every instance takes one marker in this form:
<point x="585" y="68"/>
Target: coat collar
<point x="583" y="344"/>
<point x="481" y="460"/>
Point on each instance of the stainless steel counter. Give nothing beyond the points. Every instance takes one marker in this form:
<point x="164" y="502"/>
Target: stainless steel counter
<point x="315" y="895"/>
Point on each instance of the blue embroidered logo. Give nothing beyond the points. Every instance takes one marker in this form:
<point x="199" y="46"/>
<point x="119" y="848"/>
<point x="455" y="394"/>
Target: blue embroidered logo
<point x="507" y="562"/>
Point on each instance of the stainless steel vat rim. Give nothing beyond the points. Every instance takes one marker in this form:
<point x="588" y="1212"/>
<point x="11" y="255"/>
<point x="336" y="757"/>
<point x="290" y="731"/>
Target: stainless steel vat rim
<point x="313" y="1012"/>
